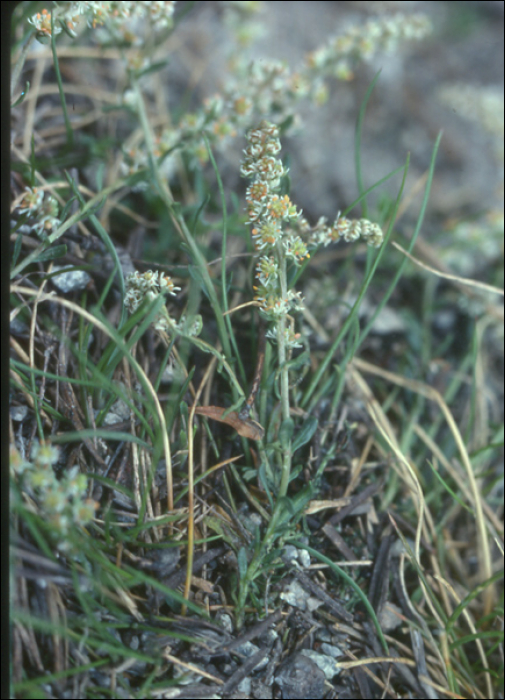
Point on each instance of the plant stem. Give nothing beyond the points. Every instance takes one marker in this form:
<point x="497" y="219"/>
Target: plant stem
<point x="254" y="565"/>
<point x="284" y="374"/>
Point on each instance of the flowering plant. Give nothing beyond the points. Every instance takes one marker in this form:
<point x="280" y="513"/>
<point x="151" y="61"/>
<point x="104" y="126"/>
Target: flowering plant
<point x="170" y="436"/>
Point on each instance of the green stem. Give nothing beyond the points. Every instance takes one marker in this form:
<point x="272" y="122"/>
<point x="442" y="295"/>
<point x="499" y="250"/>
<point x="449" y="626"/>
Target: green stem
<point x="284" y="373"/>
<point x="257" y="559"/>
<point x="254" y="566"/>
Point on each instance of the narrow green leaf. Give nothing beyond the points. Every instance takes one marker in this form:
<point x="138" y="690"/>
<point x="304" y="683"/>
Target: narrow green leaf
<point x="286" y="432"/>
<point x="51" y="254"/>
<point x="242" y="563"/>
<point x="306" y="432"/>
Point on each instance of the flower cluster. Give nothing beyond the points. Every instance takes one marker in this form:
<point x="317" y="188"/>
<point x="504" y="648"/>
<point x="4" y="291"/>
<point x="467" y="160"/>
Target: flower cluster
<point x="149" y="286"/>
<point x="42" y="23"/>
<point x="280" y="232"/>
<point x="257" y="87"/>
<point x="41" y="210"/>
<point x="360" y="43"/>
<point x="266" y="88"/>
<point x="62" y="501"/>
<point x="269" y="87"/>
<point x="353" y="229"/>
<point x="270" y="215"/>
<point x="349" y="230"/>
<point x="97" y="14"/>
